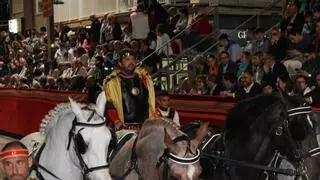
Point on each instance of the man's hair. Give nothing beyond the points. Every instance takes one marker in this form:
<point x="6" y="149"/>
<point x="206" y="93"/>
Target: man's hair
<point x="229" y="76"/>
<point x="163" y="93"/>
<point x="213" y="78"/>
<point x="126" y="52"/>
<point x="303" y="77"/>
<point x="224" y="52"/>
<point x="13" y="144"/>
<point x="259" y="31"/>
<point x="248" y="72"/>
<point x="224" y="36"/>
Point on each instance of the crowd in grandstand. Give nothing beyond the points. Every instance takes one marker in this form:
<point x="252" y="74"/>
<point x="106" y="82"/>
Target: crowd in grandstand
<point x="287" y="59"/>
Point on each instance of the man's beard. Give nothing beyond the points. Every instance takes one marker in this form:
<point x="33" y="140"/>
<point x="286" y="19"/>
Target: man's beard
<point x="128" y="71"/>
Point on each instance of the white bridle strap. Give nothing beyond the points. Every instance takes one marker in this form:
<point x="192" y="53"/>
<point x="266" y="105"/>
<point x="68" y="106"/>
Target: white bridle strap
<point x="183" y="160"/>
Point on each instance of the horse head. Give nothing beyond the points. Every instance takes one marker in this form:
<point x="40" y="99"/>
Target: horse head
<point x="90" y="138"/>
<point x="182" y="154"/>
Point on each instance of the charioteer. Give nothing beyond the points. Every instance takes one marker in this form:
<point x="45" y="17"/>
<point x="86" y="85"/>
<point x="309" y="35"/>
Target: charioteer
<point x="130" y="93"/>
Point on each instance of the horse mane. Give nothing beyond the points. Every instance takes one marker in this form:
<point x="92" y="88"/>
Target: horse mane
<point x="247" y="112"/>
<point x="50" y="119"/>
<point x="150" y="124"/>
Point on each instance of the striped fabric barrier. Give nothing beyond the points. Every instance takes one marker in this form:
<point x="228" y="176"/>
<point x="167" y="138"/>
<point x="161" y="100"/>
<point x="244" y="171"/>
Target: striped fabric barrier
<point x="22" y="110"/>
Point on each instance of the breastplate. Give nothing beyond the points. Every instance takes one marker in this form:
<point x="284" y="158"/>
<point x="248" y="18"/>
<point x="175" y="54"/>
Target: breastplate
<point x="135" y="100"/>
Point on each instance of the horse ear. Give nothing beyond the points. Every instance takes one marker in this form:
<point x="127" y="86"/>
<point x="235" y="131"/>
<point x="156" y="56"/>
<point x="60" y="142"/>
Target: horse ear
<point x="167" y="139"/>
<point x="101" y="103"/>
<point x="75" y="108"/>
<point x="201" y="133"/>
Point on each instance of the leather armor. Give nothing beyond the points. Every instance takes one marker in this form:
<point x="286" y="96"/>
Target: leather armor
<point x="135" y="100"/>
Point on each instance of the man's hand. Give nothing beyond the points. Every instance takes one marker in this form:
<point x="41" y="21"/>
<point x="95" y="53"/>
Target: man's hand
<point x="118" y="124"/>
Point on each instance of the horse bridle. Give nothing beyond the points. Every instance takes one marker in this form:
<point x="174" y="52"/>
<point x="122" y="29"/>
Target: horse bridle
<point x="72" y="135"/>
<point x="167" y="155"/>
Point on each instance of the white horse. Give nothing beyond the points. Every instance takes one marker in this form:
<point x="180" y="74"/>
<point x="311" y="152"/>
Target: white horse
<point x="75" y="145"/>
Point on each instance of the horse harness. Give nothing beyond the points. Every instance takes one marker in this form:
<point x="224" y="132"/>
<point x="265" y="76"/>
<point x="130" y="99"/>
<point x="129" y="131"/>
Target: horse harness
<point x="166" y="156"/>
<point x="79" y="145"/>
<point x="274" y="163"/>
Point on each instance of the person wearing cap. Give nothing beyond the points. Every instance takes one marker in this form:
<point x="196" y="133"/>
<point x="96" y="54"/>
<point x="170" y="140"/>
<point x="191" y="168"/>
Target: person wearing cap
<point x="130" y="93"/>
<point x="164" y="109"/>
<point x="15" y="161"/>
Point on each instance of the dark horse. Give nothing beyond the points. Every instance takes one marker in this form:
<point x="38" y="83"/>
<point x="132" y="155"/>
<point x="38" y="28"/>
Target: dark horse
<point x="260" y="134"/>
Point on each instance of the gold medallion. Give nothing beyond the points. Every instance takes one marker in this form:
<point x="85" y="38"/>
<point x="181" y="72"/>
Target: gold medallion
<point x="135" y="91"/>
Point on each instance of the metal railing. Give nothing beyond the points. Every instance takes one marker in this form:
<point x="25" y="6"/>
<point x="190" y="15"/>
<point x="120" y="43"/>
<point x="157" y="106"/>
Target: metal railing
<point x="166" y="68"/>
<point x="210" y="12"/>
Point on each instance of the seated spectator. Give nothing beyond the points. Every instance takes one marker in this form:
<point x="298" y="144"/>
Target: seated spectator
<point x="261" y="43"/>
<point x="267" y="89"/>
<point x="284" y="84"/>
<point x="201" y="87"/>
<point x="230" y="46"/>
<point x="213" y="85"/>
<point x="294" y="19"/>
<point x="200" y="22"/>
<point x="256" y="66"/>
<point x="164" y="108"/>
<point x="248" y="87"/>
<point x="127" y="37"/>
<point x="313" y="97"/>
<point x="278" y="45"/>
<point x="272" y="70"/>
<point x="213" y="65"/>
<point x="302" y="86"/>
<point x="186" y="86"/>
<point x="308" y="24"/>
<point x="201" y="66"/>
<point x="226" y="65"/>
<point x="229" y="84"/>
<point x="244" y="63"/>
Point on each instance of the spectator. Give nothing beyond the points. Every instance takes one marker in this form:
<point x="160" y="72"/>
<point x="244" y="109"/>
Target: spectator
<point x="278" y="45"/>
<point x="213" y="85"/>
<point x="272" y="70"/>
<point x="226" y="65"/>
<point x="284" y="84"/>
<point x="213" y="65"/>
<point x="244" y="63"/>
<point x="164" y="108"/>
<point x="260" y="43"/>
<point x="248" y="87"/>
<point x="256" y="66"/>
<point x="173" y="19"/>
<point x="111" y="29"/>
<point x="164" y="48"/>
<point x="139" y="24"/>
<point x="95" y="30"/>
<point x="294" y="20"/>
<point x="302" y="86"/>
<point x="232" y="47"/>
<point x="201" y="87"/>
<point x="313" y="97"/>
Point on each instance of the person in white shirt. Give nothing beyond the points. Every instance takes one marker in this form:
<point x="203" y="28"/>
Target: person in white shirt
<point x="163" y="47"/>
<point x="164" y="110"/>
